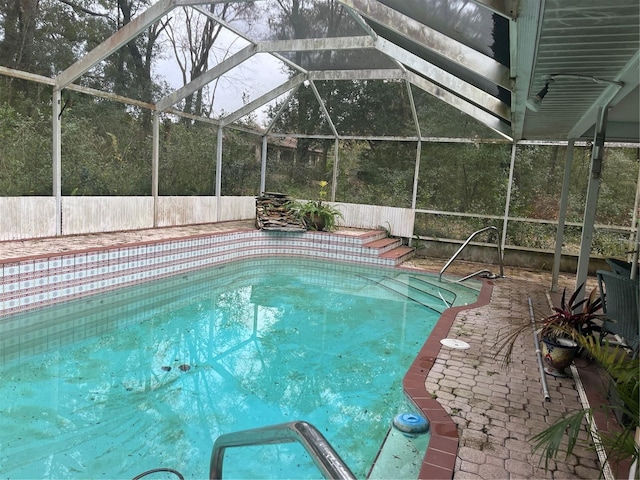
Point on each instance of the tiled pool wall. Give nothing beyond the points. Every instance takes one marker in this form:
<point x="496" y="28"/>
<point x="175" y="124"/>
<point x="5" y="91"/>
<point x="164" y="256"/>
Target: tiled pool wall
<point x="31" y="283"/>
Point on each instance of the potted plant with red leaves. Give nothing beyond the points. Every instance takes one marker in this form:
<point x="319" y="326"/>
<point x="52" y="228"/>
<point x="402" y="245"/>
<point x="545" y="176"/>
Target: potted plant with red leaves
<point x="559" y="331"/>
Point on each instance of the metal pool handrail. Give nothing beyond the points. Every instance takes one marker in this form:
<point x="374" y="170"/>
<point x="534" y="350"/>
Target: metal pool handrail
<point x="324" y="456"/>
<point x="471" y="237"/>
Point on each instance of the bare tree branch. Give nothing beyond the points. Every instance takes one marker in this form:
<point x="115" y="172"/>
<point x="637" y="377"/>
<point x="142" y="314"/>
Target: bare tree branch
<point x="79" y="8"/>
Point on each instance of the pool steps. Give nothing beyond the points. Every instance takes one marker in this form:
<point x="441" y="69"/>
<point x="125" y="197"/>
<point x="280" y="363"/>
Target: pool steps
<point x="422" y="297"/>
<point x="33" y="282"/>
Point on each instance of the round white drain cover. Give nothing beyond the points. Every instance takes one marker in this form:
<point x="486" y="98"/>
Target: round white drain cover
<point x="454" y="343"/>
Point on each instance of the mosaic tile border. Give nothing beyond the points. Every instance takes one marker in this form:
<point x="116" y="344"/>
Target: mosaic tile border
<point x="37" y="282"/>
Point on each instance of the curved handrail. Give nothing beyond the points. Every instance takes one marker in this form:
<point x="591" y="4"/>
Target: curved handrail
<point x="471" y="237"/>
<point x="324" y="456"/>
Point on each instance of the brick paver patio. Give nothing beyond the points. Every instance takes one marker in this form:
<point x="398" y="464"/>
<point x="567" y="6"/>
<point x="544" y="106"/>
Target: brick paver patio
<point x="498" y="410"/>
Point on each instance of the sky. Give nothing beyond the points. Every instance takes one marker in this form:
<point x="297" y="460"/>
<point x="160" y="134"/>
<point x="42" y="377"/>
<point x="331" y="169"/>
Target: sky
<point x="246" y="82"/>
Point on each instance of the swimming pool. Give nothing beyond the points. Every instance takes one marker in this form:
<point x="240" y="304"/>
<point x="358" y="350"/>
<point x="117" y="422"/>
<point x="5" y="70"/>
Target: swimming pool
<point x="168" y="366"/>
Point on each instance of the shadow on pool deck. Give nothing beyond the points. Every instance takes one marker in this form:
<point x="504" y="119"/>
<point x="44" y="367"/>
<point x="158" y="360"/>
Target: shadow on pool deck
<point x="496" y="411"/>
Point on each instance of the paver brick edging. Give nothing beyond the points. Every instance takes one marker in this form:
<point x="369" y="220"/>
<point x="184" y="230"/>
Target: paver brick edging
<point x="439" y="460"/>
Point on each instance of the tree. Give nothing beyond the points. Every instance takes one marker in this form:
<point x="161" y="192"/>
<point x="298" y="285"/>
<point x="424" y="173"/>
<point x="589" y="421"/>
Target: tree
<point x="193" y="38"/>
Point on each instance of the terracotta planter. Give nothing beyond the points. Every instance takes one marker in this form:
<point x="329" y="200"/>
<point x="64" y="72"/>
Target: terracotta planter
<point x="558" y="355"/>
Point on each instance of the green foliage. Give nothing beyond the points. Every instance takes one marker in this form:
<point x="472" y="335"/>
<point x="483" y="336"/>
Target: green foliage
<point x="449" y="227"/>
<point x="25" y="152"/>
<point x="356" y="107"/>
<point x="316" y="214"/>
<point x="46" y="37"/>
<point x="618" y="187"/>
<point x="187" y="158"/>
<point x="531" y="235"/>
<point x="439" y="119"/>
<point x="241" y="163"/>
<point x="538" y="175"/>
<point x="288" y="172"/>
<point x="374" y="180"/>
<point x="575" y="318"/>
<point x="466" y="178"/>
<point x="619" y="444"/>
<point x="105" y="149"/>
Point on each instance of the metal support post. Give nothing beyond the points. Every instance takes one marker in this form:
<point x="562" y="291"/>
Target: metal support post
<point x="562" y="216"/>
<point x="155" y="161"/>
<point x="57" y="155"/>
<point x="263" y="165"/>
<point x="507" y="202"/>
<point x="595" y="171"/>
<point x="218" y="186"/>
<point x="336" y="158"/>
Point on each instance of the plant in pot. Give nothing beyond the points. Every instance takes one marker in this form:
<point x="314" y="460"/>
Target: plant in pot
<point x="316" y="214"/>
<point x="560" y="331"/>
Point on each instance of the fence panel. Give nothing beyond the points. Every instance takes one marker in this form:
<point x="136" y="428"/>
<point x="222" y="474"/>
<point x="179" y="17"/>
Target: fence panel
<point x="105" y="214"/>
<point x="27" y="217"/>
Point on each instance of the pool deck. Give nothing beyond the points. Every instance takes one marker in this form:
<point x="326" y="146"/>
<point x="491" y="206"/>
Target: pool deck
<point x="496" y="411"/>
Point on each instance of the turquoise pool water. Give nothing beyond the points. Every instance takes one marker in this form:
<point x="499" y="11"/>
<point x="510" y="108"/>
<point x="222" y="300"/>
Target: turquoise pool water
<point x="152" y="375"/>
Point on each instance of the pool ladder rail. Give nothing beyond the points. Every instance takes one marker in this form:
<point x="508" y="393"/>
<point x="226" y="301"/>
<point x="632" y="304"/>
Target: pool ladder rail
<point x="324" y="456"/>
<point x="487" y="273"/>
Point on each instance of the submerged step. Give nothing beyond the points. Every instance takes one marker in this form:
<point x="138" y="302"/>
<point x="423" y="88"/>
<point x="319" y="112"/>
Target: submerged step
<point x="427" y="299"/>
<point x="400" y="456"/>
<point x="429" y="288"/>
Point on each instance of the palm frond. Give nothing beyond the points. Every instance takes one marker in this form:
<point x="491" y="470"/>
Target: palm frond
<point x="566" y="430"/>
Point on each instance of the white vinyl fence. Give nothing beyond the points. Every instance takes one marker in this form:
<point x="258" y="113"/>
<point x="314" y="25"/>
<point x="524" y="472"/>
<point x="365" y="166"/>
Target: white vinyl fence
<point x="105" y="214"/>
<point x="27" y="217"/>
<point x="398" y="221"/>
<point x="34" y="217"/>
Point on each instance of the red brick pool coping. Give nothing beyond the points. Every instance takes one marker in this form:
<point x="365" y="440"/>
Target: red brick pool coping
<point x="440" y="458"/>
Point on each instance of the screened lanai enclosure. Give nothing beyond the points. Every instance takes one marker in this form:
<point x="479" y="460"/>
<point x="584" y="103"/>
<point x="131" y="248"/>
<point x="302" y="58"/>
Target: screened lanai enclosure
<point x="430" y="118"/>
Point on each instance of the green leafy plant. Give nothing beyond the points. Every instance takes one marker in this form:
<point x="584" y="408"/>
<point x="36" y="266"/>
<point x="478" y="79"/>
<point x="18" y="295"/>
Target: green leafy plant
<point x="316" y="214"/>
<point x="618" y="444"/>
<point x="576" y="320"/>
<point x="573" y="319"/>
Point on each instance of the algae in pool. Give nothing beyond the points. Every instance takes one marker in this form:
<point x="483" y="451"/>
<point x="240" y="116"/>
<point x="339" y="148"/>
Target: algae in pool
<point x="181" y="361"/>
